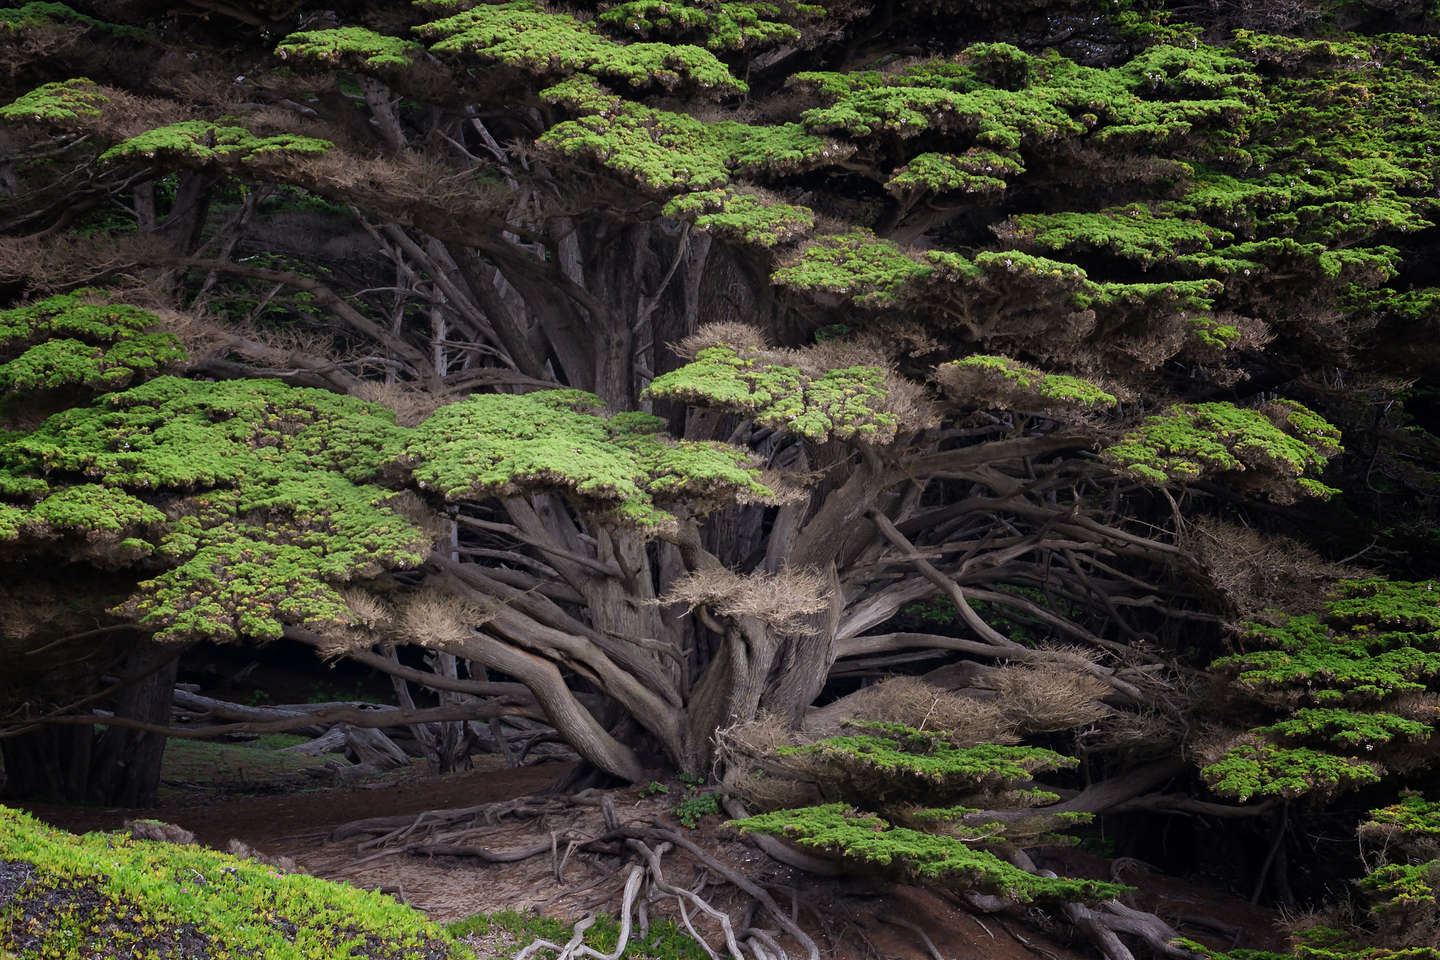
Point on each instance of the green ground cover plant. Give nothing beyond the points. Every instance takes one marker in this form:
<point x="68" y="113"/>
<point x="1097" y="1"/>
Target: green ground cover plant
<point x="69" y="896"/>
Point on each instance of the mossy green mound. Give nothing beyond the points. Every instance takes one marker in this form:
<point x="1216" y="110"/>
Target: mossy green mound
<point x="107" y="895"/>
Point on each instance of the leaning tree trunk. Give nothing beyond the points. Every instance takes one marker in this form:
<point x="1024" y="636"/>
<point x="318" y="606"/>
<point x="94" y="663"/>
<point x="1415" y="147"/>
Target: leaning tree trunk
<point x="107" y="765"/>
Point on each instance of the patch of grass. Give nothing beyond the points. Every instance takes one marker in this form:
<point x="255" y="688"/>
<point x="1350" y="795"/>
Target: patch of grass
<point x="277" y="741"/>
<point x="64" y="896"/>
<point x="256" y="766"/>
<point x="509" y="928"/>
<point x="691" y="809"/>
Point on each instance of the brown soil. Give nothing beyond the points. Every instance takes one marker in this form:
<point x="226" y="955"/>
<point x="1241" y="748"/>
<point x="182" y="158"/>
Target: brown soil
<point x="270" y="823"/>
<point x="848" y="917"/>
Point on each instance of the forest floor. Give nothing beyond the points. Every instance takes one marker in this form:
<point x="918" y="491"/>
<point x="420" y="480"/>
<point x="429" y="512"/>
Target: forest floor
<point x="274" y="805"/>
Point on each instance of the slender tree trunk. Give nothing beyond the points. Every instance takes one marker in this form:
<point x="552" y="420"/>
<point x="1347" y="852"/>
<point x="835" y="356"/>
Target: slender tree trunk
<point x="111" y="766"/>
<point x="125" y="771"/>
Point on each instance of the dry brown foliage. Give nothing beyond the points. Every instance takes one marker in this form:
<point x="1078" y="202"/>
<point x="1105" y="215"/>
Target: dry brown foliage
<point x="787" y="601"/>
<point x="755" y="773"/>
<point x="437" y="619"/>
<point x="282" y="863"/>
<point x="1209" y="742"/>
<point x="406" y="188"/>
<point x="372" y="620"/>
<point x="1122" y="732"/>
<point x="1252" y="571"/>
<point x="159" y="831"/>
<point x="52" y="263"/>
<point x="410" y="404"/>
<point x="24" y="47"/>
<point x="413" y="507"/>
<point x="126" y="115"/>
<point x="912" y="701"/>
<point x="1041" y="697"/>
<point x="1082" y="164"/>
<point x="761" y="791"/>
<point x="369" y="611"/>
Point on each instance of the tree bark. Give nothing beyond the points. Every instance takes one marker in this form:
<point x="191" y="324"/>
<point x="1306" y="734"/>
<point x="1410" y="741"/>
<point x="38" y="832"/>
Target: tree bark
<point x="112" y="766"/>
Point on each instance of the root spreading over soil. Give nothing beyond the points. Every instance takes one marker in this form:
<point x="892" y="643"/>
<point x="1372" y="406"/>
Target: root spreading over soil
<point x="487" y="841"/>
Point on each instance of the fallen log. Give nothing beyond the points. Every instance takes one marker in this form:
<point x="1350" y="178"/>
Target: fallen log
<point x="331" y="741"/>
<point x="373" y="748"/>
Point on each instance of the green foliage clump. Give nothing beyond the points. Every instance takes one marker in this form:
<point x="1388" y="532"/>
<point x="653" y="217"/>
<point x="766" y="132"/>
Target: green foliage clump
<point x="840" y="403"/>
<point x="523" y="35"/>
<point x="716" y="25"/>
<point x="1410" y="820"/>
<point x="251" y="560"/>
<point x="1263" y="769"/>
<point x="42" y="13"/>
<point x="76" y="339"/>
<point x="1350" y="667"/>
<point x="1400" y="885"/>
<point x="1346" y="728"/>
<point x="1317" y="943"/>
<point x="1389" y="604"/>
<point x="353" y="47"/>
<point x="1270" y="450"/>
<point x="61" y="363"/>
<point x="979" y="171"/>
<point x="999" y="382"/>
<point x="1001" y="119"/>
<point x="1207" y="332"/>
<point x="12" y="518"/>
<point x="176" y="433"/>
<point x="624" y="466"/>
<point x="1358" y="649"/>
<point x="692" y="808"/>
<point x="92" y="507"/>
<point x="201" y="143"/>
<point x="1361" y="667"/>
<point x="75" y="314"/>
<point x="925" y="768"/>
<point x="59" y="103"/>
<point x="1131" y="232"/>
<point x="743" y="216"/>
<point x="999" y="97"/>
<point x="870" y="843"/>
<point x="859" y="265"/>
<point x="669" y="152"/>
<point x="266" y="489"/>
<point x="136" y="897"/>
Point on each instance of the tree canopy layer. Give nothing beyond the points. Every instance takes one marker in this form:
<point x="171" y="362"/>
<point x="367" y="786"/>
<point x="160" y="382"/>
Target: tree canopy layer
<point x="695" y="365"/>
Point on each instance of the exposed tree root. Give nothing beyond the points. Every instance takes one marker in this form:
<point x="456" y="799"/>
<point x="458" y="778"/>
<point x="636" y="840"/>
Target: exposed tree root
<point x="919" y="931"/>
<point x="1105" y="921"/>
<point x="455" y="832"/>
<point x="484" y="854"/>
<point x="1114" y="928"/>
<point x="575" y="946"/>
<point x="396" y="827"/>
<point x="742" y="941"/>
